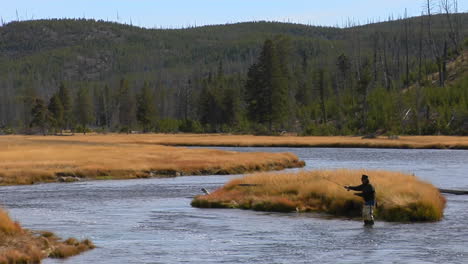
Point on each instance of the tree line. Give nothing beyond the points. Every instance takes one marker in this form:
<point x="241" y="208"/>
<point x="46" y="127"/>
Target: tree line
<point x="392" y="77"/>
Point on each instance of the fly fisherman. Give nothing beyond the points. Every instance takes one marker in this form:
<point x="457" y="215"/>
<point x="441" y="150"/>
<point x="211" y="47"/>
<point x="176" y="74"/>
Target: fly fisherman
<point x="367" y="192"/>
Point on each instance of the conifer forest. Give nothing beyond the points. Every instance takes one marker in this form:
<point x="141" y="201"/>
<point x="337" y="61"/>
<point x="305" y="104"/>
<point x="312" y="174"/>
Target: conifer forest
<point x="401" y="76"/>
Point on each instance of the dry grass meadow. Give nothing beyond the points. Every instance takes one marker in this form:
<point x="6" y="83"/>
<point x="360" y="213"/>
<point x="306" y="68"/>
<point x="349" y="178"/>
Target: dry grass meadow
<point x="400" y="197"/>
<point x="18" y="245"/>
<point x="32" y="159"/>
<point x="426" y="142"/>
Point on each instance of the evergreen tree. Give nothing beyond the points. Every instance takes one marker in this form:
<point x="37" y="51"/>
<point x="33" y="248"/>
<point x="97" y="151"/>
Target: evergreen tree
<point x="252" y="91"/>
<point x="320" y="82"/>
<point x="100" y="107"/>
<point x="103" y="103"/>
<point x="127" y="106"/>
<point x="210" y="107"/>
<point x="363" y="91"/>
<point x="267" y="88"/>
<point x="344" y="65"/>
<point x="84" y="108"/>
<point x="40" y="116"/>
<point x="146" y="109"/>
<point x="231" y="106"/>
<point x="65" y="99"/>
<point x="55" y="108"/>
<point x="303" y="94"/>
<point x="28" y="99"/>
<point x="109" y="105"/>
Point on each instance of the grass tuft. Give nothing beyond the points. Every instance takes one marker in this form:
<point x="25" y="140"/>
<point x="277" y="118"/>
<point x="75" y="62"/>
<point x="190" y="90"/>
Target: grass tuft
<point x="71" y="247"/>
<point x="8" y="226"/>
<point x="18" y="245"/>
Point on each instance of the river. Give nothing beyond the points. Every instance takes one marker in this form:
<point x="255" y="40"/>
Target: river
<point x="151" y="220"/>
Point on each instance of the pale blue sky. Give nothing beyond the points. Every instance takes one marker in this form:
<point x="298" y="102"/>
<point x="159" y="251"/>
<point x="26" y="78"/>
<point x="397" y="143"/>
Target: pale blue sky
<point x="182" y="13"/>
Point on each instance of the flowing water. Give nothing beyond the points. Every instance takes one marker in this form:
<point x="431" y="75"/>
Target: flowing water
<point x="151" y="220"/>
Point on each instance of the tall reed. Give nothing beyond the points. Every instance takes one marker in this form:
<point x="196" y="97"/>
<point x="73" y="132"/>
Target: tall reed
<point x="400" y="197"/>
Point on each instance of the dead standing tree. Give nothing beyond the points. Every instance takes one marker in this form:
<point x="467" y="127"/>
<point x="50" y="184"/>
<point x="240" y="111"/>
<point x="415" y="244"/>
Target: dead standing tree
<point x="449" y="8"/>
<point x="429" y="5"/>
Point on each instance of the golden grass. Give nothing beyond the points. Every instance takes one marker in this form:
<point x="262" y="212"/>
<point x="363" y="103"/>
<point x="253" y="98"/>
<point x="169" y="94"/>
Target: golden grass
<point x="31" y="159"/>
<point x="400" y="197"/>
<point x="7" y="226"/>
<point x="426" y="142"/>
<point x="18" y="245"/>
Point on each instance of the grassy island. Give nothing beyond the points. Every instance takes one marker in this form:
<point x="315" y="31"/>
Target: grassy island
<point x="18" y="245"/>
<point x="32" y="159"/>
<point x="400" y="197"/>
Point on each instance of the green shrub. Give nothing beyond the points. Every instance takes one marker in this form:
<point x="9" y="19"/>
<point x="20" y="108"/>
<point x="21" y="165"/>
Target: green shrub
<point x="169" y="125"/>
<point x="190" y="126"/>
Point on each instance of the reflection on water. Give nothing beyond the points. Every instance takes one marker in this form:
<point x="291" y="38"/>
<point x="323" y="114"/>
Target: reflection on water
<point x="151" y="221"/>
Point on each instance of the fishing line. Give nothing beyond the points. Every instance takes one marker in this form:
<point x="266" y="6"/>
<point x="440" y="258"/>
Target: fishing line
<point x="332" y="181"/>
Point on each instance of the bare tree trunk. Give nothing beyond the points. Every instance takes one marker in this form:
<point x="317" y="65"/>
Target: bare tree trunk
<point x="338" y="100"/>
<point x="444" y="65"/>
<point x="453" y="34"/>
<point x="429" y="23"/>
<point x="407" y="81"/>
<point x="434" y="49"/>
<point x="375" y="41"/>
<point x="420" y="51"/>
<point x="385" y="65"/>
<point x="321" y="85"/>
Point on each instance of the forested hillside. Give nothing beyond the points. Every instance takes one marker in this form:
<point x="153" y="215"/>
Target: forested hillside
<point x="258" y="77"/>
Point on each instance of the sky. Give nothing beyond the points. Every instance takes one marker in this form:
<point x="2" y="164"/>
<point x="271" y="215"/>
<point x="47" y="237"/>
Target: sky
<point x="185" y="13"/>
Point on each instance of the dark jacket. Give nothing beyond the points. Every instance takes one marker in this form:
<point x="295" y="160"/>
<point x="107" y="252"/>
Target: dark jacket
<point x="367" y="191"/>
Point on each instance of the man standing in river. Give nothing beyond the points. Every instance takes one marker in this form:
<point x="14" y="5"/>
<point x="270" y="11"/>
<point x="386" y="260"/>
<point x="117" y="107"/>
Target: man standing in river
<point x="367" y="192"/>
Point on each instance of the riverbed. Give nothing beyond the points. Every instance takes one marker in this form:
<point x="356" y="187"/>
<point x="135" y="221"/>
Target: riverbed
<point x="151" y="220"/>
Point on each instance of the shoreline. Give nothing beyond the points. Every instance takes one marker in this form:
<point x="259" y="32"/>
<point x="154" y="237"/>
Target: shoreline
<point x="337" y="145"/>
<point x="230" y="140"/>
<point x="38" y="159"/>
<point x="61" y="177"/>
<point x="20" y="245"/>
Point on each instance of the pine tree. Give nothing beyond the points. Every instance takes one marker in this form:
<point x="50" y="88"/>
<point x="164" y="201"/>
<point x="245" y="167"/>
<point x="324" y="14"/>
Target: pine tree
<point x="320" y="80"/>
<point x="252" y="91"/>
<point x="231" y="106"/>
<point x="363" y="92"/>
<point x="100" y="107"/>
<point x="28" y="99"/>
<point x="41" y="116"/>
<point x="65" y="99"/>
<point x="210" y="107"/>
<point x="127" y="106"/>
<point x="55" y="108"/>
<point x="84" y="108"/>
<point x="146" y="109"/>
<point x="267" y="88"/>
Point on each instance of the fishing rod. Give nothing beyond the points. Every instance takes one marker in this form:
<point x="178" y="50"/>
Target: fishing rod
<point x="341" y="185"/>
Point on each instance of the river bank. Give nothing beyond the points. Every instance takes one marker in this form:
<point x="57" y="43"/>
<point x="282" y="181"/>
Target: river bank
<point x="229" y="140"/>
<point x="36" y="159"/>
<point x="19" y="245"/>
